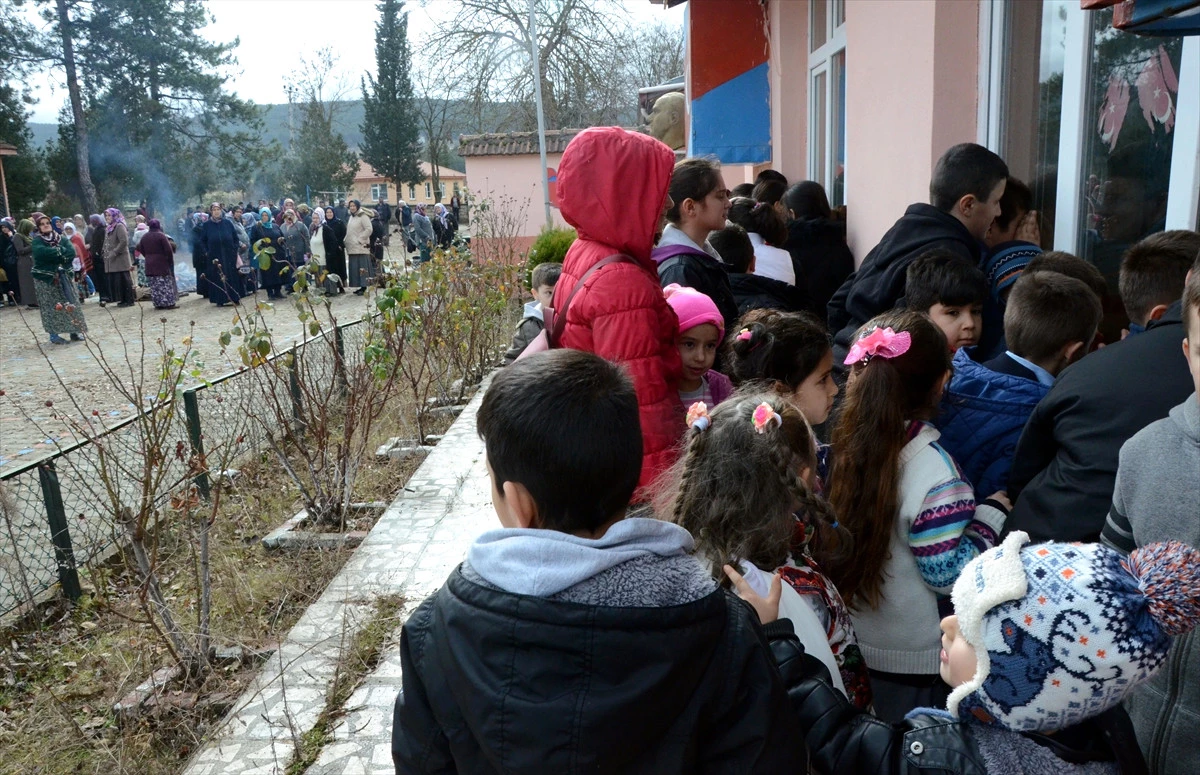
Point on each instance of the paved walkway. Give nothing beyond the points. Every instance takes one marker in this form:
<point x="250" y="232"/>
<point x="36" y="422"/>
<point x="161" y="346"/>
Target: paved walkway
<point x="411" y="550"/>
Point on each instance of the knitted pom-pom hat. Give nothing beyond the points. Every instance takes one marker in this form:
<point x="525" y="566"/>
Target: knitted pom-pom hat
<point x="1004" y="267"/>
<point x="1063" y="632"/>
<point x="693" y="308"/>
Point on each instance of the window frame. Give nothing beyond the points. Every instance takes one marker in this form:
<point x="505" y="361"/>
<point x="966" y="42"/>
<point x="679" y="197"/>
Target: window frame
<point x="822" y="157"/>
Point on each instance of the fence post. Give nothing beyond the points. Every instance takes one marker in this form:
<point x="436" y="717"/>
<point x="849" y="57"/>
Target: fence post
<point x="191" y="410"/>
<point x="339" y="366"/>
<point x="294" y="384"/>
<point x="60" y="534"/>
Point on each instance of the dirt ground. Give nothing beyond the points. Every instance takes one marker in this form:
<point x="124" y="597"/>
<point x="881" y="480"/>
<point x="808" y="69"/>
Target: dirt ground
<point x="28" y="428"/>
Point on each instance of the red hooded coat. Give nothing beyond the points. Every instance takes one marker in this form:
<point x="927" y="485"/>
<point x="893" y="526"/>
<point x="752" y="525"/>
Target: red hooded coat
<point x="611" y="187"/>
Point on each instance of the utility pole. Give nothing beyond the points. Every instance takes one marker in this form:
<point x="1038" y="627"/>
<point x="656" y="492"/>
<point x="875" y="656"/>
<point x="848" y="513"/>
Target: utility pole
<point x="537" y="96"/>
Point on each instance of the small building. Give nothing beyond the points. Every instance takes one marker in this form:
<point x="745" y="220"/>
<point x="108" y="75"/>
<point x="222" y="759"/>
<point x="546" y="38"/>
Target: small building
<point x="506" y="170"/>
<point x="371" y="186"/>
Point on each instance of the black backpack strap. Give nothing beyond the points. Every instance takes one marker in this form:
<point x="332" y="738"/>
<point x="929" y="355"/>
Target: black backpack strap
<point x="559" y="322"/>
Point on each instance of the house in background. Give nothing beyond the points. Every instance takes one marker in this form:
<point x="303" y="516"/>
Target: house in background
<point x="370" y="186"/>
<point x="505" y="170"/>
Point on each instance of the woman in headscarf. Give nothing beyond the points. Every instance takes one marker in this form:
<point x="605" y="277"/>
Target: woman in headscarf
<point x="335" y="248"/>
<point x="95" y="241"/>
<point x="139" y="231"/>
<point x="422" y="232"/>
<point x="358" y="247"/>
<point x="218" y="239"/>
<point x="117" y="262"/>
<point x="316" y="248"/>
<point x="56" y="224"/>
<point x="8" y="264"/>
<point x="80" y="226"/>
<point x="83" y="259"/>
<point x="271" y="278"/>
<point x="159" y="256"/>
<point x="58" y="302"/>
<point x="23" y="249"/>
<point x="295" y="242"/>
<point x="199" y="257"/>
<point x="446" y="225"/>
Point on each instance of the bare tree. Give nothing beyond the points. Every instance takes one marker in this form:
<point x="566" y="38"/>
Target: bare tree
<point x="489" y="42"/>
<point x="652" y="55"/>
<point x="438" y="118"/>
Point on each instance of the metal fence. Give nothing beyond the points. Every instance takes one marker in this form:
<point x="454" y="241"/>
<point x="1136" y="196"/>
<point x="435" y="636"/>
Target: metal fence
<point x="56" y="512"/>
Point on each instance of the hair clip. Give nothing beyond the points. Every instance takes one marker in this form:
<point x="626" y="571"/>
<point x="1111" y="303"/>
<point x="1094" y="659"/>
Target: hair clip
<point x="763" y="415"/>
<point x="697" y="416"/>
<point x="744" y="335"/>
<point x="882" y="342"/>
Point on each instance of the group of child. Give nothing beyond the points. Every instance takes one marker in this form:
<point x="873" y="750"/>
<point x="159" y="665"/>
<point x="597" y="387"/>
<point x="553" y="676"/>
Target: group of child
<point x="890" y="629"/>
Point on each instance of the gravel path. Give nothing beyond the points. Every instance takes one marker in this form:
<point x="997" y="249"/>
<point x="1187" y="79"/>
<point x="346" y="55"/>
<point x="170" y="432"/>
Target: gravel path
<point x="28" y="430"/>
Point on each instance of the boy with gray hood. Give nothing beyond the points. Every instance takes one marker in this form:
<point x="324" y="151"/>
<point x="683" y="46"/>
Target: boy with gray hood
<point x="577" y="639"/>
<point x="1157" y="498"/>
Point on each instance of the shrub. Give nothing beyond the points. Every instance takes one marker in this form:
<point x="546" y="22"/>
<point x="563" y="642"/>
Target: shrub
<point x="551" y="245"/>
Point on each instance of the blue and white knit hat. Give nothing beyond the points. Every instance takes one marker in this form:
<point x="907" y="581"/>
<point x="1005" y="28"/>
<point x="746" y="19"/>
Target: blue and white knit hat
<point x="1004" y="266"/>
<point x="1063" y="632"/>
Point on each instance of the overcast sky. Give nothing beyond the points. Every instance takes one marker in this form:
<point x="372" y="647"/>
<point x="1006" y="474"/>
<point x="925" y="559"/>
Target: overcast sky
<point x="301" y="27"/>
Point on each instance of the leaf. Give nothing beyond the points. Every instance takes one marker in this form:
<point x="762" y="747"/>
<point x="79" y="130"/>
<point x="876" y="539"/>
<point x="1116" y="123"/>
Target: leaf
<point x="264" y="261"/>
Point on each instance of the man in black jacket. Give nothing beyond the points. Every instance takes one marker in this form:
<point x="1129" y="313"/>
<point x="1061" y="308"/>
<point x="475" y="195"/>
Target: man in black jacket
<point x="1065" y="466"/>
<point x="965" y="198"/>
<point x="578" y="639"/>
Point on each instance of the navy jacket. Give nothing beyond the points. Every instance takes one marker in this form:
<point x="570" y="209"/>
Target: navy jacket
<point x="982" y="416"/>
<point x="1065" y="468"/>
<point x="752" y="291"/>
<point x="879" y="282"/>
<point x="696" y="269"/>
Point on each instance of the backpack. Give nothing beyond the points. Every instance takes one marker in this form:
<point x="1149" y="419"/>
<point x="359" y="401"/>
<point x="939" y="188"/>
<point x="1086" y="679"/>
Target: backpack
<point x="554" y="324"/>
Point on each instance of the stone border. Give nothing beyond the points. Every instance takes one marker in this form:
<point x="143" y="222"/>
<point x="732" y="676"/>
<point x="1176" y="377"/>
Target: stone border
<point x="413" y="546"/>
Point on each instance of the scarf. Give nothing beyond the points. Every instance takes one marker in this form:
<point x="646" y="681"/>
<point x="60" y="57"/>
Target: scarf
<point x="117" y="218"/>
<point x="50" y="239"/>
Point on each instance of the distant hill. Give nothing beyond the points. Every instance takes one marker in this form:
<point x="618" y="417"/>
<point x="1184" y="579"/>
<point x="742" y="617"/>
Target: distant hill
<point x="348" y="116"/>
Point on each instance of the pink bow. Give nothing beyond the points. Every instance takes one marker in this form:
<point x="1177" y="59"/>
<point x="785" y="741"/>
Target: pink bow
<point x="882" y="342"/>
<point x="697" y="416"/>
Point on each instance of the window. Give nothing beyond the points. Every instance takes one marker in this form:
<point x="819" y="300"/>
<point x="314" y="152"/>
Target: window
<point x="379" y="191"/>
<point x="456" y="188"/>
<point x="428" y="191"/>
<point x="412" y="190"/>
<point x="827" y="97"/>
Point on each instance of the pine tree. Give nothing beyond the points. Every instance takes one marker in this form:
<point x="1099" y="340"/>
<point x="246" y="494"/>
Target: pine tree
<point x="391" y="140"/>
<point x="321" y="160"/>
<point x="25" y="173"/>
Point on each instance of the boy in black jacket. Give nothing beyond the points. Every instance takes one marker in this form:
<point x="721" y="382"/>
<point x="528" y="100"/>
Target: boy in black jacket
<point x="576" y="639"/>
<point x="964" y="197"/>
<point x="1047" y="641"/>
<point x="752" y="291"/>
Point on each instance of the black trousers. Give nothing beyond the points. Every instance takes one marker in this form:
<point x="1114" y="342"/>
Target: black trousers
<point x="120" y="285"/>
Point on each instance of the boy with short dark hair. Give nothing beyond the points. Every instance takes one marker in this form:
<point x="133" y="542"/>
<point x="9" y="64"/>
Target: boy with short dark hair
<point x="751" y="291"/>
<point x="576" y="639"/>
<point x="1072" y="266"/>
<point x="1049" y="323"/>
<point x="541" y="285"/>
<point x="1153" y="273"/>
<point x="951" y="292"/>
<point x="1157" y="498"/>
<point x="964" y="200"/>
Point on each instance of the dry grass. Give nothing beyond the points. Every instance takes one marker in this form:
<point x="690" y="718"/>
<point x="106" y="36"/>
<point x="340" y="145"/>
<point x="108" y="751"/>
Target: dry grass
<point x="61" y="673"/>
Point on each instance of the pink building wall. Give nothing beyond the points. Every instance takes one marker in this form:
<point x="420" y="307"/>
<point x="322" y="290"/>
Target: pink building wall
<point x="515" y="179"/>
<point x="788" y="75"/>
<point x="911" y="93"/>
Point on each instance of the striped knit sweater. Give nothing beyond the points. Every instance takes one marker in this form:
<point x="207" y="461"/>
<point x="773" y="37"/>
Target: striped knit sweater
<point x="939" y="528"/>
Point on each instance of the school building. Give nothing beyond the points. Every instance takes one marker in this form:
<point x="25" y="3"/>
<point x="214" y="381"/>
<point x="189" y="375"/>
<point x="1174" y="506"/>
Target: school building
<point x="1094" y="103"/>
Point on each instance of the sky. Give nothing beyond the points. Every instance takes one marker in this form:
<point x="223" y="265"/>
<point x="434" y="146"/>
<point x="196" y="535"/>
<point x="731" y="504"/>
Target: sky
<point x="299" y="28"/>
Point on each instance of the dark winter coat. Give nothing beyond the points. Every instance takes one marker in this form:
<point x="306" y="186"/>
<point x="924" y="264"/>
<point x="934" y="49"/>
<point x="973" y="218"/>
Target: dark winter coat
<point x="752" y="291"/>
<point x="696" y="269"/>
<point x="879" y="282"/>
<point x="820" y="254"/>
<point x="497" y="682"/>
<point x="156" y="248"/>
<point x="982" y="416"/>
<point x="843" y="740"/>
<point x="1065" y="467"/>
<point x="219" y="241"/>
<point x="273" y="276"/>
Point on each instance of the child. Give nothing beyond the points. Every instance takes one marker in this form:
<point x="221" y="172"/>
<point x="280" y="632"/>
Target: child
<point x="1047" y="642"/>
<point x="698" y="202"/>
<point x="951" y="292"/>
<point x="701" y="331"/>
<point x="778" y="523"/>
<point x="788" y="354"/>
<point x="1153" y="273"/>
<point x="1049" y="324"/>
<point x="542" y="282"/>
<point x="576" y="639"/>
<point x="912" y="518"/>
<point x="769" y="234"/>
<point x="752" y="291"/>
<point x="1156" y="497"/>
<point x="1012" y="242"/>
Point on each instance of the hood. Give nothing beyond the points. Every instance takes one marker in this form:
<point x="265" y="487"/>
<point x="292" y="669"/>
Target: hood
<point x="533" y="309"/>
<point x="612" y="184"/>
<point x="924" y="224"/>
<point x="1187" y="417"/>
<point x="529" y="561"/>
